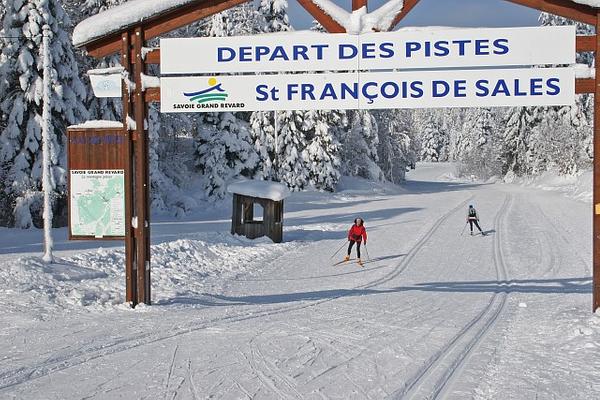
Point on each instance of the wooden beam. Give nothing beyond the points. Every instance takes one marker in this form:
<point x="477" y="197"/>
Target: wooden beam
<point x="586" y="43"/>
<point x="152" y="95"/>
<point x="583" y="86"/>
<point x="564" y="8"/>
<point x="358" y="4"/>
<point x="130" y="270"/>
<point x="167" y="22"/>
<point x="141" y="176"/>
<point x="408" y="6"/>
<point x="596" y="184"/>
<point x="324" y="19"/>
<point x="153" y="57"/>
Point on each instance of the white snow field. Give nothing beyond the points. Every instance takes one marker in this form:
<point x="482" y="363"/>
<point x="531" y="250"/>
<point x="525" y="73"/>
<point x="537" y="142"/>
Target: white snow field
<point x="433" y="314"/>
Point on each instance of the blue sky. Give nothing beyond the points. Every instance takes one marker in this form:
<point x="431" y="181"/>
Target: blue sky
<point x="468" y="13"/>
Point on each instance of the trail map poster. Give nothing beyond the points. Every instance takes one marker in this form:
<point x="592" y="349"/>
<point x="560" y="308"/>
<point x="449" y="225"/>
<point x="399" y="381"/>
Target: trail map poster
<point x="97" y="203"/>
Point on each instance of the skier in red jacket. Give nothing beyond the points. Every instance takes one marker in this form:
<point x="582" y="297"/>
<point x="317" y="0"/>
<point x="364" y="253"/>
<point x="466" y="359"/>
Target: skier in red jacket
<point x="357" y="234"/>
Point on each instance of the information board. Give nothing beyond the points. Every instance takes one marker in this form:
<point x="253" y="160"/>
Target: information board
<point x="97" y="203"/>
<point x="370" y="90"/>
<point x="414" y="48"/>
<point x="97" y="162"/>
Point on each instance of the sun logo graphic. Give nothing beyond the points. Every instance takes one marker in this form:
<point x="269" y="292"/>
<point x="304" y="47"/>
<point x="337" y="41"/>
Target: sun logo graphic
<point x="214" y="92"/>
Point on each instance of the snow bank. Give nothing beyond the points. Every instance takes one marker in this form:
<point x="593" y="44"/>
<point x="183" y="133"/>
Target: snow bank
<point x="119" y="17"/>
<point x="263" y="189"/>
<point x="578" y="186"/>
<point x="97" y="124"/>
<point x="95" y="280"/>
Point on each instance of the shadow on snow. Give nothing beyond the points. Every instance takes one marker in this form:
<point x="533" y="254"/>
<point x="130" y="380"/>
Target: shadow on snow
<point x="539" y="286"/>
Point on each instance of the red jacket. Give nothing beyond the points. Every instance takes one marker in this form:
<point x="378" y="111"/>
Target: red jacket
<point x="357" y="234"/>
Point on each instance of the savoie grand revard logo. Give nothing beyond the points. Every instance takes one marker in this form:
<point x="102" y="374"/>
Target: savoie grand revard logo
<point x="214" y="96"/>
<point x="213" y="93"/>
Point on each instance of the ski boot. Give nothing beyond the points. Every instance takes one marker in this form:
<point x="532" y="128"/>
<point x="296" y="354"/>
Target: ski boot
<point x="347" y="258"/>
<point x="360" y="262"/>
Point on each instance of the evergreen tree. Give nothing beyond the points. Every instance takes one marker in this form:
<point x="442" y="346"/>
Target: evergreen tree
<point x="224" y="152"/>
<point x="520" y="122"/>
<point x="322" y="155"/>
<point x="397" y="148"/>
<point x="433" y="139"/>
<point x="291" y="142"/>
<point x="262" y="134"/>
<point x="241" y="20"/>
<point x="482" y="156"/>
<point x="275" y="15"/>
<point x="20" y="101"/>
<point x="359" y="147"/>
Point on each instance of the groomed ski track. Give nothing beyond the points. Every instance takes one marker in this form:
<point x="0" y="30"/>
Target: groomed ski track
<point x="433" y="315"/>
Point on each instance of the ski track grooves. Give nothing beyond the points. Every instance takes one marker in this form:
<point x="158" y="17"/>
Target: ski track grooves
<point x="440" y="370"/>
<point x="10" y="379"/>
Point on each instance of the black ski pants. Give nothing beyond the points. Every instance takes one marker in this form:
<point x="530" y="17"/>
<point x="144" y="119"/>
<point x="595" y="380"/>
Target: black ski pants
<point x="474" y="221"/>
<point x="351" y="244"/>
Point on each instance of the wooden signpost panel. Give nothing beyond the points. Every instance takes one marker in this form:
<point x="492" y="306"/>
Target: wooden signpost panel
<point x="95" y="149"/>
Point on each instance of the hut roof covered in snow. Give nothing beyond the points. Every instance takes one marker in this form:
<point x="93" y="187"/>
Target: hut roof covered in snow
<point x="262" y="189"/>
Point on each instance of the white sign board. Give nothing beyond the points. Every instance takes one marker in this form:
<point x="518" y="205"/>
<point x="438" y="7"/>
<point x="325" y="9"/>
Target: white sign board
<point x="416" y="48"/>
<point x="109" y="85"/>
<point x="97" y="203"/>
<point x="370" y="90"/>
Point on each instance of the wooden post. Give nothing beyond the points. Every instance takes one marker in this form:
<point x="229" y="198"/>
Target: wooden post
<point x="142" y="181"/>
<point x="358" y="4"/>
<point x="130" y="271"/>
<point x="596" y="195"/>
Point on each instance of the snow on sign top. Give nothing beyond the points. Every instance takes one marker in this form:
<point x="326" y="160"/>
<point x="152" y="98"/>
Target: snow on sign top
<point x="115" y="19"/>
<point x="262" y="189"/>
<point x="99" y="124"/>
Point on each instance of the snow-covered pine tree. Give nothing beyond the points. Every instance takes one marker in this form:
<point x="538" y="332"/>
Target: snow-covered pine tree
<point x="560" y="142"/>
<point x="359" y="147"/>
<point x="576" y="119"/>
<point x="262" y="135"/>
<point x="224" y="152"/>
<point x="519" y="123"/>
<point x="291" y="141"/>
<point x="482" y="156"/>
<point x="240" y="20"/>
<point x="322" y="154"/>
<point x="397" y="148"/>
<point x="434" y="140"/>
<point x="20" y="101"/>
<point x="275" y="13"/>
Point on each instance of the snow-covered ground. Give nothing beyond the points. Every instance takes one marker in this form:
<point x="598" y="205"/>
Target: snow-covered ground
<point x="433" y="314"/>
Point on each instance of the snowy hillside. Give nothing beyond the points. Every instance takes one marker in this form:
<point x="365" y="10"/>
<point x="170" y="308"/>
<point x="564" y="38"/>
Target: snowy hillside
<point x="432" y="314"/>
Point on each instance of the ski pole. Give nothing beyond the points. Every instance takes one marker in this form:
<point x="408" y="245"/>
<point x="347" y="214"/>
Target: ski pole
<point x="464" y="227"/>
<point x="338" y="250"/>
<point x="367" y="250"/>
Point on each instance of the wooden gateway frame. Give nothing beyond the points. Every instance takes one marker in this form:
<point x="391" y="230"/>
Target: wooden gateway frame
<point x="130" y="41"/>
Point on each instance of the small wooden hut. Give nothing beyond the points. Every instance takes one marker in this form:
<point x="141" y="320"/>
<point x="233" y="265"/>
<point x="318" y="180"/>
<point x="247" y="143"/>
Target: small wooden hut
<point x="268" y="195"/>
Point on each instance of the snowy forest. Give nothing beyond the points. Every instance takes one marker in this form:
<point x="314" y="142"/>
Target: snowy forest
<point x="313" y="150"/>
